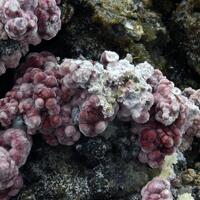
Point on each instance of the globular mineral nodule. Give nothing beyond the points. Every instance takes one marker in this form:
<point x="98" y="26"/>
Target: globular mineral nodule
<point x="26" y="22"/>
<point x="67" y="101"/>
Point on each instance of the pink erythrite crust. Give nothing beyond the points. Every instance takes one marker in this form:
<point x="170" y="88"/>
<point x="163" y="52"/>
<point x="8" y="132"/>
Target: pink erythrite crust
<point x="157" y="189"/>
<point x="167" y="98"/>
<point x="41" y="94"/>
<point x="157" y="141"/>
<point x="28" y="22"/>
<point x="10" y="179"/>
<point x="14" y="150"/>
<point x="167" y="103"/>
<point x="62" y="100"/>
<point x="37" y="60"/>
<point x="49" y="22"/>
<point x="91" y="119"/>
<point x="17" y="144"/>
<point x="173" y="107"/>
<point x="81" y="95"/>
<point x="193" y="95"/>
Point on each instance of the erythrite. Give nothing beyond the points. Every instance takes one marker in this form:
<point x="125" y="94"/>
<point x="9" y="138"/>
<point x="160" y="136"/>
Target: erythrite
<point x="28" y="22"/>
<point x="62" y="101"/>
<point x="14" y="150"/>
<point x="157" y="189"/>
<point x="157" y="141"/>
<point x="77" y="95"/>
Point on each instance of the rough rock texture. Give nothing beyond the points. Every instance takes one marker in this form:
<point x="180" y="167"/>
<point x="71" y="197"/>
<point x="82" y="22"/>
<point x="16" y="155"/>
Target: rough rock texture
<point x="141" y="28"/>
<point x="187" y="173"/>
<point x="126" y="24"/>
<point x="187" y="22"/>
<point x="109" y="172"/>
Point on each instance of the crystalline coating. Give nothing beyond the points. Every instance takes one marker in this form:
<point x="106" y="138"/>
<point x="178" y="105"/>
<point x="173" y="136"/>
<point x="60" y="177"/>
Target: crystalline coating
<point x="166" y="100"/>
<point x="174" y="118"/>
<point x="96" y="92"/>
<point x="193" y="95"/>
<point x="93" y="89"/>
<point x="157" y="141"/>
<point x="157" y="189"/>
<point x="14" y="150"/>
<point x="61" y="101"/>
<point x="48" y="14"/>
<point x="17" y="144"/>
<point x="10" y="180"/>
<point x="91" y="119"/>
<point x="28" y="22"/>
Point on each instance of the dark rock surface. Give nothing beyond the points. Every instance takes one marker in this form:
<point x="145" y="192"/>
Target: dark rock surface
<point x="97" y="168"/>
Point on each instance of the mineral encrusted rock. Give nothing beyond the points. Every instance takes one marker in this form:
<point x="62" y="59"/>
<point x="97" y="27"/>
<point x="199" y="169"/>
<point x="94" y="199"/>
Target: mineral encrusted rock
<point x="24" y="23"/>
<point x="66" y="100"/>
<point x="69" y="101"/>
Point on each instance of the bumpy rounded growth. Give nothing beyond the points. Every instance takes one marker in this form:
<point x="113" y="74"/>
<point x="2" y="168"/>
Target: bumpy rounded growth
<point x="157" y="141"/>
<point x="28" y="22"/>
<point x="10" y="180"/>
<point x="157" y="189"/>
<point x="17" y="144"/>
<point x="61" y="101"/>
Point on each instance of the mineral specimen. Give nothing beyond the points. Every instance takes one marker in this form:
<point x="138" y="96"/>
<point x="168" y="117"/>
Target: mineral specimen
<point x="14" y="150"/>
<point x="157" y="189"/>
<point x="63" y="100"/>
<point x="27" y="22"/>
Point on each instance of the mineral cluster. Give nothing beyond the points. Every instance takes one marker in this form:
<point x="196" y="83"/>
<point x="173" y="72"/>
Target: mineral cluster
<point x="157" y="189"/>
<point x="64" y="101"/>
<point x="23" y="23"/>
<point x="186" y="23"/>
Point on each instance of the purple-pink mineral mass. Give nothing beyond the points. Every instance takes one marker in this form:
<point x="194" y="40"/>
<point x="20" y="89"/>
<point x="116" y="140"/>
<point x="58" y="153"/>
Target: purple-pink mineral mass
<point x="14" y="150"/>
<point x="28" y="22"/>
<point x="10" y="179"/>
<point x="64" y="101"/>
<point x="157" y="189"/>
